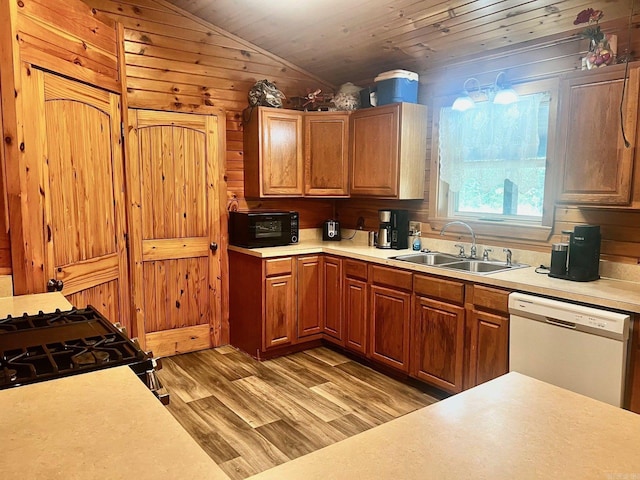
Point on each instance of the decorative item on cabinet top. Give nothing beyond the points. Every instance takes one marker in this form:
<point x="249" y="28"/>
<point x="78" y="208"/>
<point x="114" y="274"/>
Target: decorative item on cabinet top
<point x="602" y="48"/>
<point x="266" y="94"/>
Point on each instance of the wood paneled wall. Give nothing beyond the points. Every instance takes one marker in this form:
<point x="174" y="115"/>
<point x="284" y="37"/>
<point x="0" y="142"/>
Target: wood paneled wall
<point x="5" y="243"/>
<point x="177" y="62"/>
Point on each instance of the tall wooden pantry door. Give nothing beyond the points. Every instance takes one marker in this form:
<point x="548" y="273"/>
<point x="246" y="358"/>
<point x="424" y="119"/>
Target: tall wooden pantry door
<point x="82" y="191"/>
<point x="174" y="171"/>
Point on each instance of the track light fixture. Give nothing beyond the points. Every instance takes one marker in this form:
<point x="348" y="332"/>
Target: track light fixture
<point x="499" y="93"/>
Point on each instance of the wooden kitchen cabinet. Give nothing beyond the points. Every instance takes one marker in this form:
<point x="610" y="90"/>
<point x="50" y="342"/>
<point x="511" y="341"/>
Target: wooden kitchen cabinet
<point x="326" y="154"/>
<point x="438" y="332"/>
<point x="289" y="153"/>
<point x="262" y="303"/>
<point x="310" y="283"/>
<point x="355" y="305"/>
<point x="388" y="151"/>
<point x="597" y="167"/>
<point x="488" y="327"/>
<point x="390" y="299"/>
<point x="280" y="302"/>
<point x="332" y="299"/>
<point x="273" y="155"/>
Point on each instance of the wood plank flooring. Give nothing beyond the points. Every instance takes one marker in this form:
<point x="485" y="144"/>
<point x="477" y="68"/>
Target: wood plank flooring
<point x="250" y="416"/>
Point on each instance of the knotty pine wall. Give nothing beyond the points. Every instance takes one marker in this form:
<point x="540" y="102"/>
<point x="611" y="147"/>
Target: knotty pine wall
<point x="5" y="243"/>
<point x="177" y="62"/>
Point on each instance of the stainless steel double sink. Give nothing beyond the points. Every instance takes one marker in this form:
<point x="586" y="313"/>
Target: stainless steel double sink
<point x="452" y="262"/>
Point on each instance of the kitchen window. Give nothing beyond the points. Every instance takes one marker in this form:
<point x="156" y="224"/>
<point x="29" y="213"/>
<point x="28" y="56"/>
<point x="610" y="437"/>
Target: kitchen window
<point x="494" y="162"/>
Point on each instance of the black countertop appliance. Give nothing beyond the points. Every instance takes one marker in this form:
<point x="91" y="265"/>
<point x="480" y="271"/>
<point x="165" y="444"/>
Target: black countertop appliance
<point x="583" y="262"/>
<point x="331" y="231"/>
<point x="399" y="229"/>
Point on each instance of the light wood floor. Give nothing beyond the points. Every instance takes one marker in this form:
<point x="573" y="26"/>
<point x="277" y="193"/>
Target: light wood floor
<point x="250" y="416"/>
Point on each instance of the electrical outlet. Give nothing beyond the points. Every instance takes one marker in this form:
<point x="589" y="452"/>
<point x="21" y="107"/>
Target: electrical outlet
<point x="415" y="226"/>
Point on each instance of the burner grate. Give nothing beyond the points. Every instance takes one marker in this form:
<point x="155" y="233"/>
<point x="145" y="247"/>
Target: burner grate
<point x="44" y="346"/>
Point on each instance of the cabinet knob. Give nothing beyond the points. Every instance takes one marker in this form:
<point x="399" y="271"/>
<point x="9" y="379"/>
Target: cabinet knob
<point x="213" y="246"/>
<point x="54" y="285"/>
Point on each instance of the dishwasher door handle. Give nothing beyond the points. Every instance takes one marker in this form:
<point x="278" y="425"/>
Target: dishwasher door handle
<point x="561" y="323"/>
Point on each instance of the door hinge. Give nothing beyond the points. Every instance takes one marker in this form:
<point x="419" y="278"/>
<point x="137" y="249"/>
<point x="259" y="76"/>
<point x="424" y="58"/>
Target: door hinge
<point x="126" y="241"/>
<point x="122" y="130"/>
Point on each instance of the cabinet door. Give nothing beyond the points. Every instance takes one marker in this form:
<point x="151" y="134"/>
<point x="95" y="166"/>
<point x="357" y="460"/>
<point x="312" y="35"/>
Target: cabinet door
<point x="332" y="282"/>
<point x="273" y="155"/>
<point x="326" y="154"/>
<point x="390" y="314"/>
<point x="355" y="314"/>
<point x="374" y="151"/>
<point x="598" y="168"/>
<point x="438" y="348"/>
<point x="489" y="347"/>
<point x="280" y="311"/>
<point x="310" y="305"/>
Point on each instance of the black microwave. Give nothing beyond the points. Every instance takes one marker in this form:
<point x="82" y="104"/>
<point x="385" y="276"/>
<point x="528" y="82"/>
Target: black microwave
<point x="254" y="229"/>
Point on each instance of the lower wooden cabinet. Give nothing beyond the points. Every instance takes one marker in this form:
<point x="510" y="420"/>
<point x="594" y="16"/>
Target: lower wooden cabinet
<point x="310" y="295"/>
<point x="280" y="311"/>
<point x="390" y="313"/>
<point x="416" y="324"/>
<point x="633" y="386"/>
<point x="488" y="334"/>
<point x="390" y="316"/>
<point x="438" y="344"/>
<point x="489" y="346"/>
<point x="332" y="299"/>
<point x="355" y="305"/>
<point x="262" y="303"/>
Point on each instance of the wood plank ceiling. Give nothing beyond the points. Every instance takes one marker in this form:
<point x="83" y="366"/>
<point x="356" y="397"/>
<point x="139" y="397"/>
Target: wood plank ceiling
<point x="354" y="40"/>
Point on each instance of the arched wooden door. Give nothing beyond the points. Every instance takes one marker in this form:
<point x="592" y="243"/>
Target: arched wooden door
<point x="173" y="175"/>
<point x="82" y="191"/>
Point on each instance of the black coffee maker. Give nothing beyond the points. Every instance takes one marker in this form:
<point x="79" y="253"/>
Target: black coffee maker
<point x="394" y="229"/>
<point x="578" y="261"/>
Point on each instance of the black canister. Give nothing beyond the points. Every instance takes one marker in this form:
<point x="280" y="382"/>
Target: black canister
<point x="559" y="252"/>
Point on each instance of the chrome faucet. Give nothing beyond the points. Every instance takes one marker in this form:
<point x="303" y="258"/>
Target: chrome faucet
<point x="473" y="235"/>
<point x="508" y="252"/>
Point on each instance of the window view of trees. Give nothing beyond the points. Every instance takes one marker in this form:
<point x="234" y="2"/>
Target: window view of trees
<point x="493" y="158"/>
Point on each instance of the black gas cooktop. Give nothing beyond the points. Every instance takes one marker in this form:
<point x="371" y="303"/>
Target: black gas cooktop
<point x="40" y="347"/>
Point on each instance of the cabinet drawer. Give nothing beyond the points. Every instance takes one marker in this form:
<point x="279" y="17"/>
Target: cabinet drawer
<point x="439" y="288"/>
<point x="278" y="266"/>
<point x="398" y="279"/>
<point x="355" y="269"/>
<point x="491" y="298"/>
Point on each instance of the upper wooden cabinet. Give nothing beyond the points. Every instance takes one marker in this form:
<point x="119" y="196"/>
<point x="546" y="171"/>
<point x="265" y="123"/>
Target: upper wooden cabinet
<point x="326" y="154"/>
<point x="388" y="151"/>
<point x="273" y="164"/>
<point x="597" y="166"/>
<point x="289" y="153"/>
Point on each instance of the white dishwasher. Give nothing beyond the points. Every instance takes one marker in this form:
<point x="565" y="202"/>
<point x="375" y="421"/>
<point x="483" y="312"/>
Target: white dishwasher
<point x="579" y="348"/>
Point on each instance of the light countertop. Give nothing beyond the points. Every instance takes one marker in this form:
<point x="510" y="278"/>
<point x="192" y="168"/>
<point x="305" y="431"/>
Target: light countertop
<point x="606" y="292"/>
<point x="33" y="304"/>
<point x="98" y="425"/>
<point x="513" y="427"/>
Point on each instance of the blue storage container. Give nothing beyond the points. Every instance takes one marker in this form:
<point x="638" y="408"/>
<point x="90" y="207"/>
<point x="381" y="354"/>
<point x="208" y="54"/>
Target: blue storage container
<point x="397" y="86"/>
